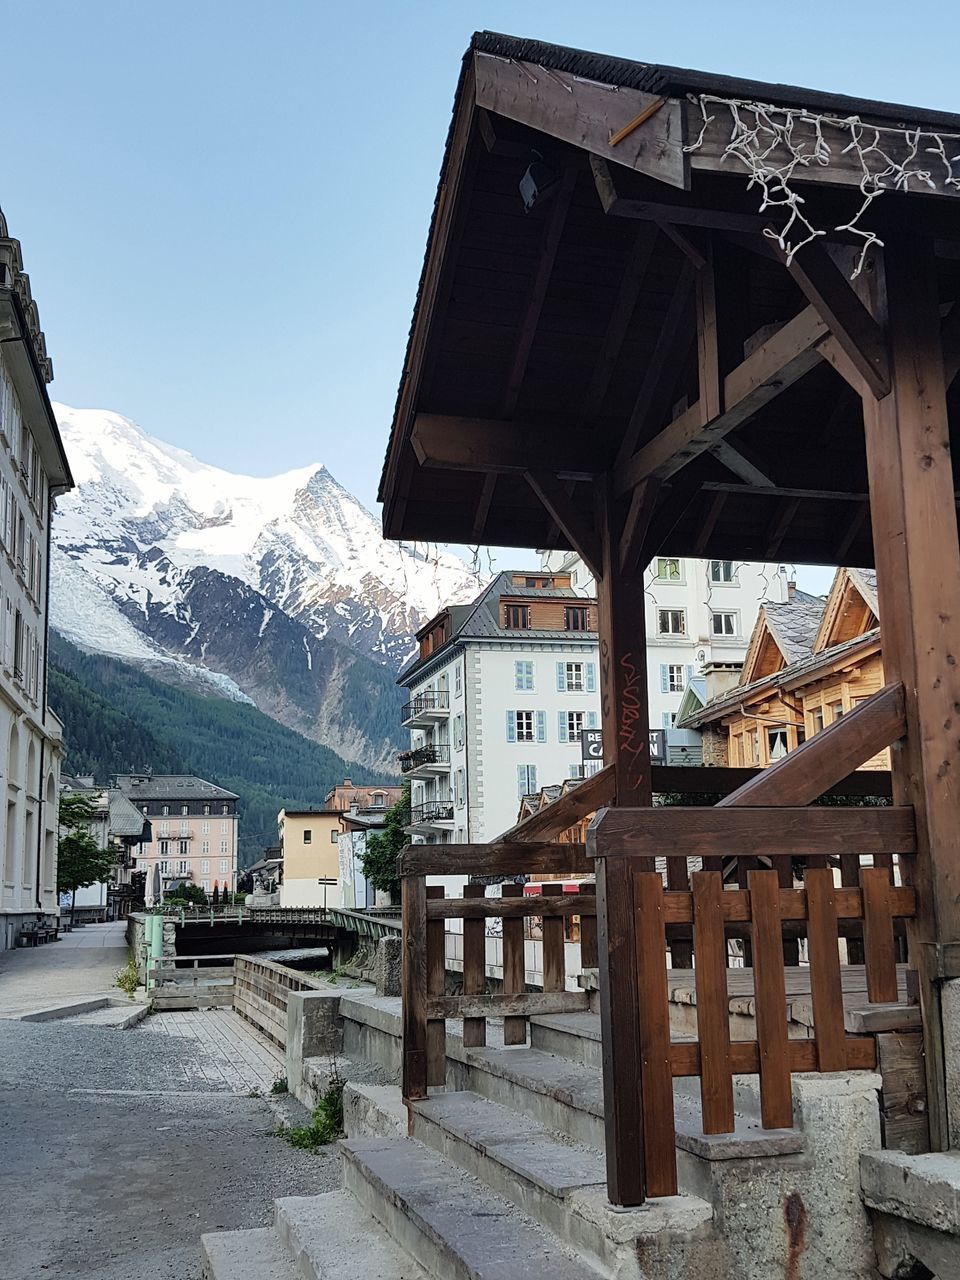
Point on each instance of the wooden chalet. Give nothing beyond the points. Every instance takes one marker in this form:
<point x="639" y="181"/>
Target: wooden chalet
<point x="810" y="662"/>
<point x="663" y="312"/>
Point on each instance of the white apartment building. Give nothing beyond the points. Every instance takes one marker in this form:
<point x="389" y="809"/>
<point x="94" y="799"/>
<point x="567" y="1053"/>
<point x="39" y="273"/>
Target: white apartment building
<point x="193" y="831"/>
<point x="499" y="695"/>
<point x="700" y="615"/>
<point x="33" y="470"/>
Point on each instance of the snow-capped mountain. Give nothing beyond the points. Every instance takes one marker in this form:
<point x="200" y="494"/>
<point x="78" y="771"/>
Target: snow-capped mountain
<point x="278" y="589"/>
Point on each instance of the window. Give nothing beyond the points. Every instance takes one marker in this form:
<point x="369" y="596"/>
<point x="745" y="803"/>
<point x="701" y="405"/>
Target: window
<point x="225" y="808"/>
<point x="836" y="711"/>
<point x="307" y="836"/>
<point x="668" y="719"/>
<point x="204" y="846"/>
<point x="333" y="836"/>
<point x="576" y="677"/>
<point x="523" y="675"/>
<point x="164" y="828"/>
<point x="164" y="848"/>
<point x="164" y="867"/>
<point x="671" y="622"/>
<point x="184" y="848"/>
<point x="19" y="645"/>
<point x="204" y="828"/>
<point x="526" y="780"/>
<point x="570" y="724"/>
<point x="206" y="811"/>
<point x="516" y="617"/>
<point x="576" y="618"/>
<point x="723" y="623"/>
<point x="676" y="678"/>
<point x="574" y="725"/>
<point x="184" y="828"/>
<point x="183" y="866"/>
<point x="458" y="734"/>
<point x="777" y="745"/>
<point x="526" y="726"/>
<point x="721" y="571"/>
<point x="224" y="846"/>
<point x="460" y="788"/>
<point x="668" y="570"/>
<point x="457" y="680"/>
<point x="224" y="827"/>
<point x="184" y="810"/>
<point x="378" y="800"/>
<point x="205" y="886"/>
<point x="165" y="810"/>
<point x="817" y="719"/>
<point x="224" y="866"/>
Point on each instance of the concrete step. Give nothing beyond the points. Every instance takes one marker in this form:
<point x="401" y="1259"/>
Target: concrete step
<point x="331" y="1237"/>
<point x="457" y="1228"/>
<point x="575" y="1036"/>
<point x="257" y="1254"/>
<point x="118" y="1017"/>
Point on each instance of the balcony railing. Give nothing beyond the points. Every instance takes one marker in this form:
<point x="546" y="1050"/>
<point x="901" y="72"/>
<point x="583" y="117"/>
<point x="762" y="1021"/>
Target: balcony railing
<point x="436" y="753"/>
<point x="426" y="703"/>
<point x="432" y="811"/>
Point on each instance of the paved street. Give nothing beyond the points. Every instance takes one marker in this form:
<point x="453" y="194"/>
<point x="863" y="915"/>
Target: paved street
<point x="121" y="1147"/>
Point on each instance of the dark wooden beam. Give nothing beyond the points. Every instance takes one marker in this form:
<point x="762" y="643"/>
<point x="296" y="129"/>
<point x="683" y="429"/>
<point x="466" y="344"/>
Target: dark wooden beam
<point x="853" y="527"/>
<point x="556" y="818"/>
<point x="779" y="491"/>
<point x="830" y="755"/>
<point x="714" y="510"/>
<point x="950" y="338"/>
<point x="779" y="526"/>
<point x="526" y="333"/>
<point x="736" y="461"/>
<point x="775" y="365"/>
<point x="686" y="244"/>
<point x="724" y="780"/>
<point x="487" y="490"/>
<point x="619" y="321"/>
<point x="492" y="445"/>
<point x="666" y="214"/>
<point x="572" y="519"/>
<point x="854" y="328"/>
<point x="917" y="554"/>
<point x="636" y="526"/>
<point x="663" y="368"/>
<point x="710" y="381"/>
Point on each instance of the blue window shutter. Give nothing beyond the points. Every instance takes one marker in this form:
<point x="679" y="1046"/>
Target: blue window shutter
<point x="521" y="781"/>
<point x="591" y="720"/>
<point x="664" y="678"/>
<point x="511" y="727"/>
<point x="689" y="673"/>
<point x="541" y="726"/>
<point x="532" y="777"/>
<point x="666" y="719"/>
<point x="561" y="677"/>
<point x="591" y="677"/>
<point x="518" y="675"/>
<point x="562" y="726"/>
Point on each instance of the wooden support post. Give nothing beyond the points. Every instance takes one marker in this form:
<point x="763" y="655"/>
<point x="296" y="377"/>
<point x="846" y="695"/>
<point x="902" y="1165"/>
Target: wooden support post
<point x="623" y="698"/>
<point x="917" y="555"/>
<point x="514" y="970"/>
<point x="436" y="977"/>
<point x="414" y="889"/>
<point x="474" y="968"/>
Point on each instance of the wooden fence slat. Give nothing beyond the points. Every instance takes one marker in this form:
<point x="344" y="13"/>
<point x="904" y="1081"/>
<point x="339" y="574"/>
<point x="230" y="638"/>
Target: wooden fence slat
<point x="713" y="1014"/>
<point x="436" y="979"/>
<point x="474" y="967"/>
<point x="589" y="954"/>
<point x="414" y="897"/>
<point x="659" y="1134"/>
<point x="514" y="968"/>
<point x="554" y="961"/>
<point x="825" y="989"/>
<point x="879" y="945"/>
<point x="791" y="946"/>
<point x="776" y="1099"/>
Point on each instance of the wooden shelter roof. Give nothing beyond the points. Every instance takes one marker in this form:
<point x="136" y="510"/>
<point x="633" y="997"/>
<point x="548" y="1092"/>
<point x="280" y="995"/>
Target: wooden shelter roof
<point x="549" y="347"/>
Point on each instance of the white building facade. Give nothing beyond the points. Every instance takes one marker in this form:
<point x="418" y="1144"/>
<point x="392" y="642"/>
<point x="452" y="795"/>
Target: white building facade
<point x="33" y="470"/>
<point x="700" y="615"/>
<point x="499" y="697"/>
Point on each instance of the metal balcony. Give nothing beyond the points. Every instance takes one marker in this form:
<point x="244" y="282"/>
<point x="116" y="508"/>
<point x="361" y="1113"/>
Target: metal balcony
<point x="421" y="761"/>
<point x="425" y="708"/>
<point x="433" y="812"/>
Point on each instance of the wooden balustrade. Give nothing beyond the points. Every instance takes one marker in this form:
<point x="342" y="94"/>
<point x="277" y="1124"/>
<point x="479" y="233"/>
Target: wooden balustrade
<point x="763" y="909"/>
<point x="426" y="910"/>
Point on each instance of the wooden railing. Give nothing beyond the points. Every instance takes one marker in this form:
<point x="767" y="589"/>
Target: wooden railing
<point x="426" y="910"/>
<point x="261" y="992"/>
<point x="638" y="913"/>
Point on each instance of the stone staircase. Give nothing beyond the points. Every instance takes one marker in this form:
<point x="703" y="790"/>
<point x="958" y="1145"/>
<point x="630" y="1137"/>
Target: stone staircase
<point x="501" y="1176"/>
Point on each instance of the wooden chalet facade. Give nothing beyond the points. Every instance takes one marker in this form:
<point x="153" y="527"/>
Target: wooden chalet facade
<point x="618" y="348"/>
<point x="800" y="679"/>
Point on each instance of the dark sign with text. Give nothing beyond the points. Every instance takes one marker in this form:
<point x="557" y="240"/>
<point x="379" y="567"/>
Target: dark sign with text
<point x="591" y="742"/>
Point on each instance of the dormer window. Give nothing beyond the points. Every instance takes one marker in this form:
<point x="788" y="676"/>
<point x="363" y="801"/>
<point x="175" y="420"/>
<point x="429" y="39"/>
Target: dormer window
<point x="517" y="617"/>
<point x="576" y="618"/>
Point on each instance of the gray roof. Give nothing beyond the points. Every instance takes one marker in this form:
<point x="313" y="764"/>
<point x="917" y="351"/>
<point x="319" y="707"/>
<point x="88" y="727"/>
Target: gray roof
<point x="481" y="619"/>
<point x="125" y="818"/>
<point x="794" y="624"/>
<point x="865" y="580"/>
<point x="171" y="786"/>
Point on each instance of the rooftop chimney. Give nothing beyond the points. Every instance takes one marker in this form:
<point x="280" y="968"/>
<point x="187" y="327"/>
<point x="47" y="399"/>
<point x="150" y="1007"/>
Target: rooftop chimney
<point x="791" y="588"/>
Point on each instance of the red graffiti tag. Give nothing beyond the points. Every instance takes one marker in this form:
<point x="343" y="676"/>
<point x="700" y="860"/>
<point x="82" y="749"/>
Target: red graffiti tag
<point x="632" y="730"/>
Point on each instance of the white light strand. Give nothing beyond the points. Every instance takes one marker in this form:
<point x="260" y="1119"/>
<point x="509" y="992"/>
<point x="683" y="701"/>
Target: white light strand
<point x="764" y="139"/>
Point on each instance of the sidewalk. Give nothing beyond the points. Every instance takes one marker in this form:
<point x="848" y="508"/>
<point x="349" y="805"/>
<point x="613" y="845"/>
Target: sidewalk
<point x="83" y="963"/>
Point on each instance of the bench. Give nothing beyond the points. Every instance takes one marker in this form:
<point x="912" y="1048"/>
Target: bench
<point x="31" y="935"/>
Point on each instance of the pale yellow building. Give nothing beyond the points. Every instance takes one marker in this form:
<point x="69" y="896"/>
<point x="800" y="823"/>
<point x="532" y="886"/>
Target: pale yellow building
<point x="311" y="860"/>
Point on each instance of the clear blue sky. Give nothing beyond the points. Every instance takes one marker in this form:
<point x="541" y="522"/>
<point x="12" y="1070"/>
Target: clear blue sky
<point x="223" y="204"/>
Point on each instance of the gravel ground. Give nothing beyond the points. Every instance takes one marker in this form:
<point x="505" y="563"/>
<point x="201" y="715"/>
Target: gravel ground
<point x="114" y="1163"/>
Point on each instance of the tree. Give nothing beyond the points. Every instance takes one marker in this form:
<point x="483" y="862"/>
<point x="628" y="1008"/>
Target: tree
<point x="80" y="860"/>
<point x="192" y="894"/>
<point x="215" y="900"/>
<point x="379" y="858"/>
